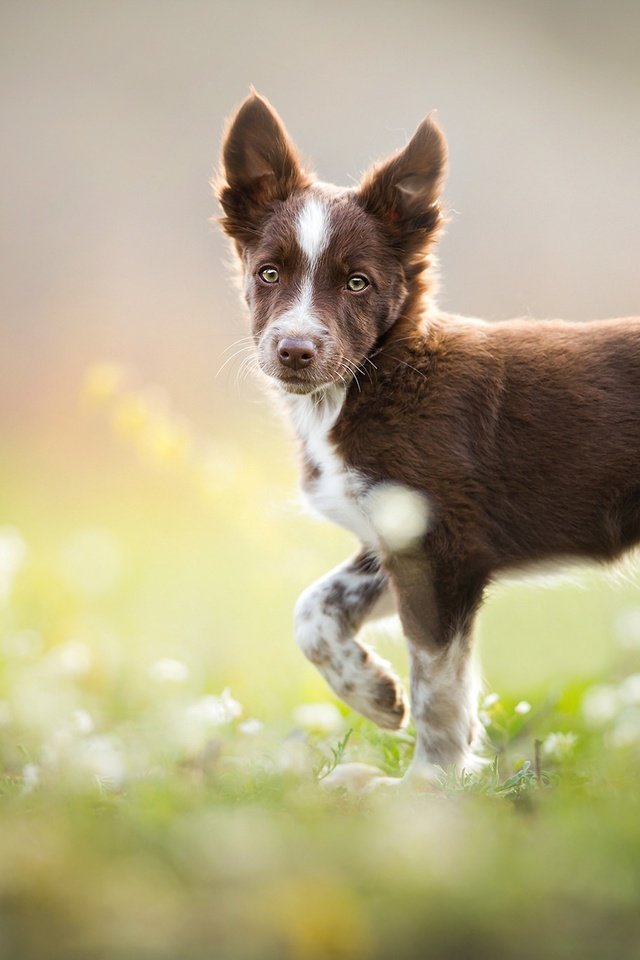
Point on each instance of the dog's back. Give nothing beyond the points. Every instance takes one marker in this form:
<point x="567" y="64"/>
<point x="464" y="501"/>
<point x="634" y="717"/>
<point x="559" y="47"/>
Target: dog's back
<point x="526" y="434"/>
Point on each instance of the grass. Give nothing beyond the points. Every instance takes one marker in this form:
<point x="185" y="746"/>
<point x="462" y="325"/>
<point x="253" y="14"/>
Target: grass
<point x="164" y="749"/>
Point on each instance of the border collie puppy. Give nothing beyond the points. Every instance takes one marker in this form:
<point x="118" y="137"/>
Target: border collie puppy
<point x="454" y="449"/>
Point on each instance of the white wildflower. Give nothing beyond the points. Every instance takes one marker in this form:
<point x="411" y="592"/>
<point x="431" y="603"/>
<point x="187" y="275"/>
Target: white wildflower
<point x="319" y="717"/>
<point x="195" y="725"/>
<point x="400" y="515"/>
<point x="102" y="758"/>
<point x="626" y="731"/>
<point x="490" y="700"/>
<point x="72" y="659"/>
<point x="63" y="737"/>
<point x="600" y="705"/>
<point x="13" y="549"/>
<point x="558" y="746"/>
<point x="523" y="707"/>
<point x="484" y="718"/>
<point x="251" y="727"/>
<point x="629" y="689"/>
<point x="211" y="711"/>
<point x="169" y="671"/>
<point x="30" y="777"/>
<point x="82" y="723"/>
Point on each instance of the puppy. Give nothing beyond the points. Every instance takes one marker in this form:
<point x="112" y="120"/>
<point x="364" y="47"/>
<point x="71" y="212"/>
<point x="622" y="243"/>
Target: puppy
<point x="455" y="450"/>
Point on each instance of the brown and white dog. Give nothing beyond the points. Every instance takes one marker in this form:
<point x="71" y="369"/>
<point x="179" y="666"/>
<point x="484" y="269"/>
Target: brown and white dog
<point x="455" y="450"/>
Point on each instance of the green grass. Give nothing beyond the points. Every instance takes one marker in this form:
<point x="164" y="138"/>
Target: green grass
<point x="145" y="814"/>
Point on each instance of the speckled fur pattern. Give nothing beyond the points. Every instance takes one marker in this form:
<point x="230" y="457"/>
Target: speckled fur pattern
<point x="522" y="436"/>
<point x="327" y="618"/>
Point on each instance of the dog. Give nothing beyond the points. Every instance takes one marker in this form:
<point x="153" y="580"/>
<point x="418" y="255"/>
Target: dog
<point x="456" y="450"/>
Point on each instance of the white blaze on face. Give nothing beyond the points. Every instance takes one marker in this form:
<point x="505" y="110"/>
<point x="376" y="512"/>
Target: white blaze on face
<point x="299" y="320"/>
<point x="312" y="233"/>
<point x="312" y="229"/>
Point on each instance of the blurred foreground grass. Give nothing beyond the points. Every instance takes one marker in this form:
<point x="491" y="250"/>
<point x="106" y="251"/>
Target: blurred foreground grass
<point x="163" y="744"/>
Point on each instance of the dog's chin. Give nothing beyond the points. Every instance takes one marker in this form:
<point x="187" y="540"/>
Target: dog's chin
<point x="299" y="387"/>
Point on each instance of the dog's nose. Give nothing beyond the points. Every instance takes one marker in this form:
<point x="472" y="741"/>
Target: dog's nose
<point x="296" y="353"/>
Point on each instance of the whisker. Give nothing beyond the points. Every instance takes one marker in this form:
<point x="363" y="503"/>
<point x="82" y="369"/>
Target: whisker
<point x="368" y="360"/>
<point x="413" y="336"/>
<point x="411" y="367"/>
<point x="237" y="343"/>
<point x="364" y="371"/>
<point x="352" y="368"/>
<point x="248" y="365"/>
<point x="238" y="353"/>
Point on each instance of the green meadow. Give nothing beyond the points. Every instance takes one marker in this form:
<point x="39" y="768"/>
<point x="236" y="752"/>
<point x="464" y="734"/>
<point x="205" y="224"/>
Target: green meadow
<point x="165" y="749"/>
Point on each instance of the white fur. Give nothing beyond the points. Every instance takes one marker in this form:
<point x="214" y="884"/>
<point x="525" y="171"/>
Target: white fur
<point x="447" y="683"/>
<point x="340" y="493"/>
<point x="299" y="320"/>
<point x="385" y="514"/>
<point x="443" y="685"/>
<point x="312" y="228"/>
<point x="322" y="633"/>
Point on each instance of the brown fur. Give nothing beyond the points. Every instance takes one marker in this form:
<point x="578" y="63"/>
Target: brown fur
<point x="526" y="436"/>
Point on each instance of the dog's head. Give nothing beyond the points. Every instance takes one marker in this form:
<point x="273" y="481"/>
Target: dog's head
<point x="326" y="270"/>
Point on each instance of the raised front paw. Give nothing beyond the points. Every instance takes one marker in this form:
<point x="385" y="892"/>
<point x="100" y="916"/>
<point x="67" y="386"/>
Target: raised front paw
<point x="375" y="692"/>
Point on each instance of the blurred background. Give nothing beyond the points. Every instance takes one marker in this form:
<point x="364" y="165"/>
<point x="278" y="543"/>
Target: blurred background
<point x="164" y="495"/>
<point x="151" y="543"/>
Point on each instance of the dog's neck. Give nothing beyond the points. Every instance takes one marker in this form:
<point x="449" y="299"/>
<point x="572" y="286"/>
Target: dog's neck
<point x="315" y="413"/>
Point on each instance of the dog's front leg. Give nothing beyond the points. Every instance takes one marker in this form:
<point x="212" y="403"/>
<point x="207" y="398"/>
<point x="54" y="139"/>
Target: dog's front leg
<point x="436" y="609"/>
<point x="327" y="618"/>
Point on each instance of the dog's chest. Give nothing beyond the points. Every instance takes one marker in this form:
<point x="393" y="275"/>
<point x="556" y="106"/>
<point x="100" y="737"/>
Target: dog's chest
<point x="330" y="488"/>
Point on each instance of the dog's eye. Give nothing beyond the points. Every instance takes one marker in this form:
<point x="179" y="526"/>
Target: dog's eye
<point x="356" y="283"/>
<point x="269" y="275"/>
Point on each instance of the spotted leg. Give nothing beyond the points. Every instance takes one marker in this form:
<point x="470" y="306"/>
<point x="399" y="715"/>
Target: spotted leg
<point x="436" y="608"/>
<point x="327" y="618"/>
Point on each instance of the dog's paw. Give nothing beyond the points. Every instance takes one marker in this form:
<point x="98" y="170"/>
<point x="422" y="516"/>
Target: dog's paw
<point x="364" y="779"/>
<point x="380" y="697"/>
<point x="389" y="704"/>
<point x="359" y="778"/>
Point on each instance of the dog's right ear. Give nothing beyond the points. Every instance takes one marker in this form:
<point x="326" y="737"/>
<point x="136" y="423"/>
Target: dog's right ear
<point x="259" y="166"/>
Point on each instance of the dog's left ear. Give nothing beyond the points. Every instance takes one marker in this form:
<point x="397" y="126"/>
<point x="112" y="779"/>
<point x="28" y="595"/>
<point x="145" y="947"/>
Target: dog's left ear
<point x="403" y="192"/>
<point x="259" y="166"/>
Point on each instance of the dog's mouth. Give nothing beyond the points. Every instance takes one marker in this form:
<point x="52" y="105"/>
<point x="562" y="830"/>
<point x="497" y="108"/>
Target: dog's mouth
<point x="299" y="382"/>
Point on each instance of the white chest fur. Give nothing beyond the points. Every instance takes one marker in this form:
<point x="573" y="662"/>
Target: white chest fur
<point x="335" y="491"/>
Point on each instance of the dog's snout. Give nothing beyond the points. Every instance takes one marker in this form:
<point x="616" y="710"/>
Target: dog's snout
<point x="296" y="353"/>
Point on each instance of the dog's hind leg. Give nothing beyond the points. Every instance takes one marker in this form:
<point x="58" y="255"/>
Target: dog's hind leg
<point x="327" y="618"/>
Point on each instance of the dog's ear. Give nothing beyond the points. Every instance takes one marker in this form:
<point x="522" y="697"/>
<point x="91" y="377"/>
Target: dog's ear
<point x="259" y="166"/>
<point x="403" y="192"/>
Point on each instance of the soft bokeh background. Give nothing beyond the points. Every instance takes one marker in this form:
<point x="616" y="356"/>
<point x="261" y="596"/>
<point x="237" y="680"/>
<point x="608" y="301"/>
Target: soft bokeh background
<point x="111" y="117"/>
<point x="151" y="537"/>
